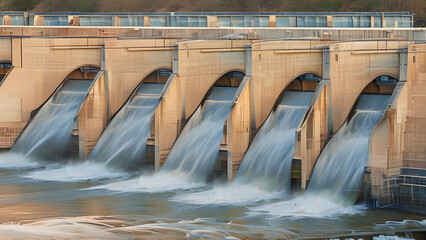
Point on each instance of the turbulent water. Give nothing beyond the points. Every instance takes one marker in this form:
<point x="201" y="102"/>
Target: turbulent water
<point x="47" y="136"/>
<point x="338" y="173"/>
<point x="265" y="172"/>
<point x="31" y="209"/>
<point x="339" y="170"/>
<point x="39" y="209"/>
<point x="122" y="145"/>
<point x="267" y="163"/>
<point x="196" y="151"/>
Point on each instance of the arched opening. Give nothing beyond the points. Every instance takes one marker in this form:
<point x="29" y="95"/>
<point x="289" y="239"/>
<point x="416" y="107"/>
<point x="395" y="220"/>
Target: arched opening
<point x="383" y="85"/>
<point x="83" y="73"/>
<point x="307" y="82"/>
<point x="4" y="69"/>
<point x="159" y="76"/>
<point x="230" y="79"/>
<point x="87" y="73"/>
<point x="56" y="118"/>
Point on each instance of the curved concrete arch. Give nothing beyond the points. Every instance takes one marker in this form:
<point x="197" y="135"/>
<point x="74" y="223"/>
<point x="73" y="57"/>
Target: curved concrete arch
<point x="128" y="62"/>
<point x="231" y="70"/>
<point x="136" y="86"/>
<point x="275" y="64"/>
<point x="198" y="66"/>
<point x="353" y="65"/>
<point x="202" y="63"/>
<point x="284" y="89"/>
<point x="39" y="66"/>
<point x="390" y="74"/>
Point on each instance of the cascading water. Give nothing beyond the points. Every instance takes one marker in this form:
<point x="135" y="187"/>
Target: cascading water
<point x="47" y="136"/>
<point x="196" y="151"/>
<point x="267" y="163"/>
<point x="265" y="171"/>
<point x="338" y="173"/>
<point x="340" y="168"/>
<point x="122" y="145"/>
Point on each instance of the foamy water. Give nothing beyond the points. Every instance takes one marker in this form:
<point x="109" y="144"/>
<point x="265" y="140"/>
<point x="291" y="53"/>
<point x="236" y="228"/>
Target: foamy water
<point x="65" y="228"/>
<point x="308" y="205"/>
<point x="16" y="160"/>
<point x="76" y="172"/>
<point x="95" y="227"/>
<point x="164" y="181"/>
<point x="229" y="194"/>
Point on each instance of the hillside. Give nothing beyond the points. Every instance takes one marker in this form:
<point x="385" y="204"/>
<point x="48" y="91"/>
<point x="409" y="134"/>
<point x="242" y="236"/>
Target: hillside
<point x="415" y="6"/>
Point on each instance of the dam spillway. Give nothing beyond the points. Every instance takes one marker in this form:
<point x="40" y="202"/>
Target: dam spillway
<point x="336" y="143"/>
<point x="339" y="170"/>
<point x="196" y="151"/>
<point x="48" y="135"/>
<point x="267" y="163"/>
<point x="122" y="146"/>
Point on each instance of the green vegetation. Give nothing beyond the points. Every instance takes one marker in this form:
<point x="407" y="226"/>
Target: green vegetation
<point x="415" y="6"/>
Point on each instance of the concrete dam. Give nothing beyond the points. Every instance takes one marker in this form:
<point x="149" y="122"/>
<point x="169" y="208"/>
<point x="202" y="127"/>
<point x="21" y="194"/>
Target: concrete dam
<point x="332" y="112"/>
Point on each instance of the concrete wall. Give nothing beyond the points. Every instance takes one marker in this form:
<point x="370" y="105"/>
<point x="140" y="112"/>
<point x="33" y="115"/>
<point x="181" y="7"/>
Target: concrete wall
<point x="92" y="116"/>
<point x="335" y="34"/>
<point x="199" y="64"/>
<point x="237" y="129"/>
<point x="202" y="63"/>
<point x="415" y="130"/>
<point x="128" y="62"/>
<point x="40" y="65"/>
<point x="168" y="119"/>
<point x="275" y="64"/>
<point x="314" y="132"/>
<point x="353" y="65"/>
<point x="5" y="49"/>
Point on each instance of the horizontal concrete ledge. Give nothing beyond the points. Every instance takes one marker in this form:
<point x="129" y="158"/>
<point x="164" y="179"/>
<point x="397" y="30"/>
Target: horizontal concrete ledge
<point x="223" y="50"/>
<point x="75" y="47"/>
<point x="151" y="49"/>
<point x="297" y="51"/>
<point x="374" y="52"/>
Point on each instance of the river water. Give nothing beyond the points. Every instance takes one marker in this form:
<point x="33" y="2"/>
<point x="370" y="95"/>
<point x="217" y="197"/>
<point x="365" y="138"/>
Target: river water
<point x="39" y="209"/>
<point x="166" y="206"/>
